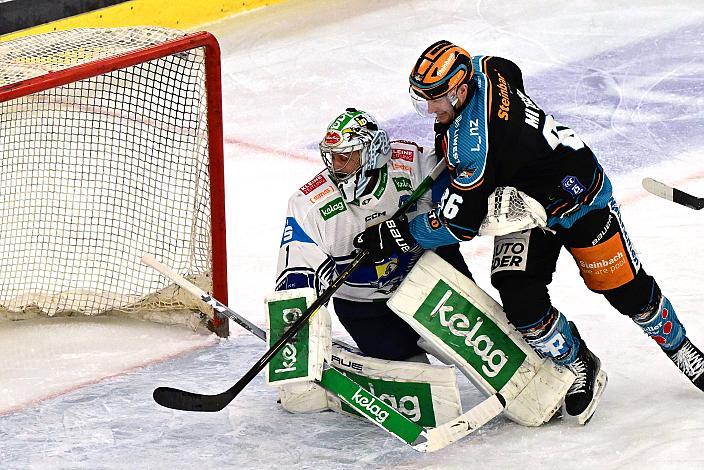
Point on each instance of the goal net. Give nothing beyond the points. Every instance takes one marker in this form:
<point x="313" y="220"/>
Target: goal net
<point x="111" y="147"/>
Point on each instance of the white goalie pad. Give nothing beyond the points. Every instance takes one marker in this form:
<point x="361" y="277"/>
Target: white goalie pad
<point x="463" y="325"/>
<point x="302" y="359"/>
<point x="511" y="210"/>
<point x="426" y="394"/>
<point x="303" y="397"/>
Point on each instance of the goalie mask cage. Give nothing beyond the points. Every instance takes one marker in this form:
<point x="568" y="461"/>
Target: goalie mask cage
<point x="111" y="147"/>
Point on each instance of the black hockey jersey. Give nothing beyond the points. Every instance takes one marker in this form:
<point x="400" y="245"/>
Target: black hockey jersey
<point x="500" y="137"/>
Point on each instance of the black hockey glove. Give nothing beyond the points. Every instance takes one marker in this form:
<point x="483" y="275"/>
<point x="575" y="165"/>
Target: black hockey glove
<point x="385" y="239"/>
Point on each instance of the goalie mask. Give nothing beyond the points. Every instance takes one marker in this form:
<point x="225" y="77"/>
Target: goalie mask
<point x="353" y="147"/>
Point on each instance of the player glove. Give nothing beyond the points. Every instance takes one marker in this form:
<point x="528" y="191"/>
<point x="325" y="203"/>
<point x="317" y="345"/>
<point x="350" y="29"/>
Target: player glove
<point x="385" y="239"/>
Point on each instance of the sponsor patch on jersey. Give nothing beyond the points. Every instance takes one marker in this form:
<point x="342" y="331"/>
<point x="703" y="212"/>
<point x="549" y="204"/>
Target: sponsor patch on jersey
<point x="402" y="154"/>
<point x="572" y="185"/>
<point x="333" y="138"/>
<point x="313" y="184"/>
<point x="383" y="181"/>
<point x="400" y="166"/>
<point x="294" y="232"/>
<point x="332" y="208"/>
<point x="402" y="184"/>
<point x="604" y="266"/>
<point x="322" y="194"/>
<point x="510" y="252"/>
<point x="505" y="104"/>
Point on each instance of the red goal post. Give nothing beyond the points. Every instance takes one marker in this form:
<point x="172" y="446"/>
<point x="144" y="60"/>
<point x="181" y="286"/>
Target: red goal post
<point x="110" y="147"/>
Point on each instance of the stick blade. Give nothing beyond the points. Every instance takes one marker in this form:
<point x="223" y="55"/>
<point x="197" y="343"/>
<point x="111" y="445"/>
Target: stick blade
<point x="672" y="194"/>
<point x="657" y="188"/>
<point x="187" y="401"/>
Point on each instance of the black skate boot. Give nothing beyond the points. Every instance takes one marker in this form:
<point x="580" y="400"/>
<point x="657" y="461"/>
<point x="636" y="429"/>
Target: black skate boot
<point x="690" y="360"/>
<point x="583" y="396"/>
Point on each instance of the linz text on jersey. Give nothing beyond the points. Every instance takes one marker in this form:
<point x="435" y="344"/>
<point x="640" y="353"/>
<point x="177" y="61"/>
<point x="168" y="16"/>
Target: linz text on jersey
<point x="474" y="131"/>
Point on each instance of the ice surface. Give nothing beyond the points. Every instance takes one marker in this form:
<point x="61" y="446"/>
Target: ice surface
<point x="627" y="78"/>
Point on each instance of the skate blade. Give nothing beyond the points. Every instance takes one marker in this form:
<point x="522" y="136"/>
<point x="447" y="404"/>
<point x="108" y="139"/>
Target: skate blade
<point x="599" y="386"/>
<point x="584" y="417"/>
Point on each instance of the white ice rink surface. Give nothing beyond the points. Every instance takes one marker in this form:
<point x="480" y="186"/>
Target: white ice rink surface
<point x="629" y="80"/>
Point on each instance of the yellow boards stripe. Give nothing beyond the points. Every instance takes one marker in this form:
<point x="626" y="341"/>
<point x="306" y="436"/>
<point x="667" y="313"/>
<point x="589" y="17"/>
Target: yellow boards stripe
<point x="178" y="14"/>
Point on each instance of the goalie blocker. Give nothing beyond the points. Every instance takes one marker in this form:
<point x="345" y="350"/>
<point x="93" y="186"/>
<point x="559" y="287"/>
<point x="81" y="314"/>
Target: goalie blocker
<point x="460" y="324"/>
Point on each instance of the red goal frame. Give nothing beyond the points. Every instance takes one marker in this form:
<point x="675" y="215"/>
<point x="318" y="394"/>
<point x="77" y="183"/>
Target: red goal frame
<point x="213" y="87"/>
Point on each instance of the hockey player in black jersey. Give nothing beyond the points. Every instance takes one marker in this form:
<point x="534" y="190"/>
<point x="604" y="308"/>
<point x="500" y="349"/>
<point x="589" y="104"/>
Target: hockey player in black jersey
<point x="492" y="134"/>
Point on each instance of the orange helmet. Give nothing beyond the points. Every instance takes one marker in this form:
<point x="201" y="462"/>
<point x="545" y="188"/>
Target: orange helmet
<point x="439" y="69"/>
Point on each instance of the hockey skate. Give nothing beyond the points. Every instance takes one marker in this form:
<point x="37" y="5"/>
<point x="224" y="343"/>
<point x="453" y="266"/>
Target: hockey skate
<point x="585" y="393"/>
<point x="690" y="360"/>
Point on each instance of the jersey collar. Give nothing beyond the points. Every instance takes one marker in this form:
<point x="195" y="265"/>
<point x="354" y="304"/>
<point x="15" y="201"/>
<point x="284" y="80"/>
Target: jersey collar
<point x="379" y="188"/>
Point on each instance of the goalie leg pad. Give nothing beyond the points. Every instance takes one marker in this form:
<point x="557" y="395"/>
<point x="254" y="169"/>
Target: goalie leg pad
<point x="303" y="397"/>
<point x="426" y="394"/>
<point x="301" y="361"/>
<point x="466" y="327"/>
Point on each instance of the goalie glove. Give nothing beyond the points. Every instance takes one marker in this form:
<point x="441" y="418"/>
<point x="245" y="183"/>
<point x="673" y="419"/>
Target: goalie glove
<point x="386" y="238"/>
<point x="511" y="210"/>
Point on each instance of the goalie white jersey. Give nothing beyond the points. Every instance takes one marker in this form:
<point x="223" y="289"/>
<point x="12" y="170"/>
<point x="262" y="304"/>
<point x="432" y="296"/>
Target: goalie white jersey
<point x="320" y="227"/>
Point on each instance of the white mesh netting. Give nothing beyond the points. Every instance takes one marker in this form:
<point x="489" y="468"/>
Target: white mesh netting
<point x="95" y="173"/>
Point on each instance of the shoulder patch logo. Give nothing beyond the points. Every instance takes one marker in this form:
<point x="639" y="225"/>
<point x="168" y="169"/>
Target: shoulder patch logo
<point x="311" y="185"/>
<point x="572" y="185"/>
<point x="402" y="154"/>
<point x="332" y="208"/>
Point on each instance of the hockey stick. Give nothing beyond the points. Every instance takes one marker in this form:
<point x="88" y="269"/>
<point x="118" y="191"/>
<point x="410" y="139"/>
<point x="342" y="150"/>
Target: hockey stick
<point x="673" y="194"/>
<point x="189" y="401"/>
<point x="419" y="438"/>
<point x="214" y="303"/>
<point x="196" y="291"/>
